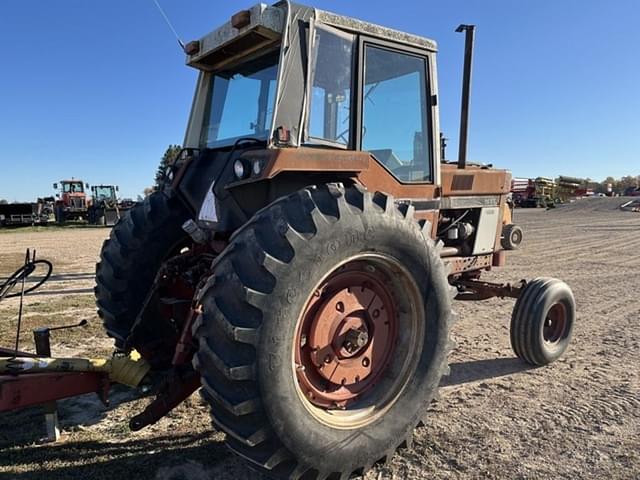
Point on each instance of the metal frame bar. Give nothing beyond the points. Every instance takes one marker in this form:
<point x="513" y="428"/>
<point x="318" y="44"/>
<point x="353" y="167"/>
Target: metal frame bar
<point x="11" y="352"/>
<point x="306" y="138"/>
<point x="26" y="390"/>
<point x="478" y="290"/>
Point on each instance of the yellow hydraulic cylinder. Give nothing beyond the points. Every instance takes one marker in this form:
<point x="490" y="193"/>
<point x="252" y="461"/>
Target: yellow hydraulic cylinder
<point x="126" y="369"/>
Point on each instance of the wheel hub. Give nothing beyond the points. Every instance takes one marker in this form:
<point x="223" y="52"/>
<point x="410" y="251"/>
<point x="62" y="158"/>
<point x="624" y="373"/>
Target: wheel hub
<point x="355" y="339"/>
<point x="555" y="323"/>
<point x="347" y="336"/>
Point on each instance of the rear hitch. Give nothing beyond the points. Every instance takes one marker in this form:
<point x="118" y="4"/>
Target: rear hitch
<point x="181" y="382"/>
<point x="174" y="390"/>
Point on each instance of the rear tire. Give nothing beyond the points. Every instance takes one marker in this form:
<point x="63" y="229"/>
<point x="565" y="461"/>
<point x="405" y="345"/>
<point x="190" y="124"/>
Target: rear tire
<point x="60" y="215"/>
<point x="542" y="321"/>
<point x="141" y="240"/>
<point x="252" y="308"/>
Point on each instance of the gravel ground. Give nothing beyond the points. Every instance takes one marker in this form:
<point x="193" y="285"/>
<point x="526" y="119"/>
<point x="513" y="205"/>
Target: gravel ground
<point x="497" y="418"/>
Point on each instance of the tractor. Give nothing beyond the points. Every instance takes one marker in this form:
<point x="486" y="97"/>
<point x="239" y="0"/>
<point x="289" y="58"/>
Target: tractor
<point x="104" y="208"/>
<point x="71" y="201"/>
<point x="300" y="263"/>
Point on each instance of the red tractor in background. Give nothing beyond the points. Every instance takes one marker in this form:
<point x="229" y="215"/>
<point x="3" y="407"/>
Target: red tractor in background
<point x="102" y="208"/>
<point x="71" y="201"/>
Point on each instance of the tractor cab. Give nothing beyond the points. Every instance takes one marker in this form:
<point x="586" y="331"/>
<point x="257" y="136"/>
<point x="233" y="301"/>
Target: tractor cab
<point x="339" y="83"/>
<point x="72" y="186"/>
<point x="104" y="194"/>
<point x="292" y="76"/>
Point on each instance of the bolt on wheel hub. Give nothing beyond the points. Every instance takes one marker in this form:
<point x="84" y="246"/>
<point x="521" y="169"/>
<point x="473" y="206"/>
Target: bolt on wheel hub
<point x="354" y="340"/>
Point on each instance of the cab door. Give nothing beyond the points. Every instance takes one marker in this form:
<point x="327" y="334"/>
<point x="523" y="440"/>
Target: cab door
<point x="397" y="123"/>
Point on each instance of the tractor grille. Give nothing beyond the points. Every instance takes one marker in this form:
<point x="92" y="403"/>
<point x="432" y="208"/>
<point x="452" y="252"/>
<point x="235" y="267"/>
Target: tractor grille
<point x="77" y="203"/>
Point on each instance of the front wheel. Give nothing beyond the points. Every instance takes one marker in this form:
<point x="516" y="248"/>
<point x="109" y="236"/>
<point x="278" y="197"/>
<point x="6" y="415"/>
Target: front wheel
<point x="324" y="332"/>
<point x="511" y="237"/>
<point x="542" y="321"/>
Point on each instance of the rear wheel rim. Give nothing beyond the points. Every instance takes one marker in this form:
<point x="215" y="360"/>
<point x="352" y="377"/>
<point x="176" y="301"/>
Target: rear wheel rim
<point x="357" y="340"/>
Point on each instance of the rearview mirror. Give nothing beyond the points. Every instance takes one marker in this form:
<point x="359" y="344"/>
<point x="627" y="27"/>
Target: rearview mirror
<point x="55" y="186"/>
<point x="117" y="189"/>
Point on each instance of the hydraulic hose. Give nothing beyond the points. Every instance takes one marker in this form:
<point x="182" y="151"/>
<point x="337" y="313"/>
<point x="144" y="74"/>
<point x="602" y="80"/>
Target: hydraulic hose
<point x="22" y="273"/>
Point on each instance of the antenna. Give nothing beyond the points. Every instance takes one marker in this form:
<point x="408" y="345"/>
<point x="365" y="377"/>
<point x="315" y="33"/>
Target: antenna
<point x="166" y="19"/>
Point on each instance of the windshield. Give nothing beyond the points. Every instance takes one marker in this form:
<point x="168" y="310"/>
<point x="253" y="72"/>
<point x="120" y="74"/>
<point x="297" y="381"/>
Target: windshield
<point x="102" y="193"/>
<point x="72" y="187"/>
<point x="241" y="102"/>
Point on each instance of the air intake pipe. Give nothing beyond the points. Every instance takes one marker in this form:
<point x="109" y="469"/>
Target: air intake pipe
<point x="466" y="92"/>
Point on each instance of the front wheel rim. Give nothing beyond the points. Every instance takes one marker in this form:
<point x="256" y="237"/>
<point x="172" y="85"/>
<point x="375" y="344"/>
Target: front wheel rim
<point x="555" y="324"/>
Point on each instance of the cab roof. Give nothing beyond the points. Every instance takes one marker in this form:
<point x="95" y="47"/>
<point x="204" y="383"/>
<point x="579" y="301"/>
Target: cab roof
<point x="262" y="26"/>
<point x="358" y="26"/>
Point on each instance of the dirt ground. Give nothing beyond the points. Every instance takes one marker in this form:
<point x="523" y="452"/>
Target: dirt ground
<point x="497" y="418"/>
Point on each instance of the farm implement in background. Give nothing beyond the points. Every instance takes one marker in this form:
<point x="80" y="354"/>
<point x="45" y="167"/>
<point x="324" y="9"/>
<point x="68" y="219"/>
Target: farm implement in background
<point x="38" y="213"/>
<point x="547" y="192"/>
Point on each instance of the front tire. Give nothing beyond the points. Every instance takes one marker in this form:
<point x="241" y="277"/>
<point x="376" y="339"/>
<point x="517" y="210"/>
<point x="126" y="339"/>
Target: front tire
<point x="542" y="321"/>
<point x="511" y="236"/>
<point x="254" y="310"/>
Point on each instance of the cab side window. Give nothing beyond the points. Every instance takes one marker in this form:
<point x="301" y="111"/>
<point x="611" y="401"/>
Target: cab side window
<point x="331" y="76"/>
<point x="395" y="125"/>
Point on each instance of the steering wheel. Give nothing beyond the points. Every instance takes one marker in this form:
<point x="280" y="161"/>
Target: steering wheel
<point x="343" y="135"/>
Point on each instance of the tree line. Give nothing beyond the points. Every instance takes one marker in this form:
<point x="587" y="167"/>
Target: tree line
<point x="618" y="185"/>
<point x="169" y="156"/>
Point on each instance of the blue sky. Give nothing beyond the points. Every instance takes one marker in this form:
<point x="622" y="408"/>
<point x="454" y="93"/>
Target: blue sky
<point x="98" y="89"/>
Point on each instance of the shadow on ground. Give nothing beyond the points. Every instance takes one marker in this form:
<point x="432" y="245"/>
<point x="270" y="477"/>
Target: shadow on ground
<point x="171" y="457"/>
<point x="477" y="370"/>
<point x="26" y="426"/>
<point x="67" y="291"/>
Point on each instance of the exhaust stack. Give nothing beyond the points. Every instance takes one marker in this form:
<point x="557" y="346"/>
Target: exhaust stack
<point x="466" y="92"/>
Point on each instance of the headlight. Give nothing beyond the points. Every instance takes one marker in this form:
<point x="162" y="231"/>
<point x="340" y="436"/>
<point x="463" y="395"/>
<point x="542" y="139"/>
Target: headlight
<point x="240" y="169"/>
<point x="256" y="168"/>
